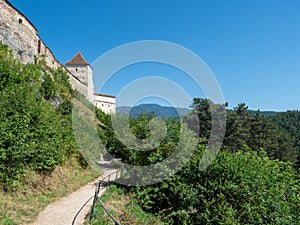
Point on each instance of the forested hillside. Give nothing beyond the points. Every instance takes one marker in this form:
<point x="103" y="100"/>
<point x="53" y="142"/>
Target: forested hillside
<point x="160" y="111"/>
<point x="289" y="123"/>
<point x="253" y="179"/>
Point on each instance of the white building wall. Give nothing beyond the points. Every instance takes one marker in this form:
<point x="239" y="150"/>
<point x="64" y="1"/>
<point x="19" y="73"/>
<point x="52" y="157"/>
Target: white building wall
<point x="106" y="103"/>
<point x="90" y="83"/>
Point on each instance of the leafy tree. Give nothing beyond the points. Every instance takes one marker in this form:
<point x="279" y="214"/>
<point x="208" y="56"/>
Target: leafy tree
<point x="242" y="186"/>
<point x="265" y="134"/>
<point x="237" y="128"/>
<point x="208" y="113"/>
<point x="246" y="131"/>
<point x="289" y="123"/>
<point x="237" y="188"/>
<point x="202" y="108"/>
<point x="33" y="135"/>
<point x="48" y="87"/>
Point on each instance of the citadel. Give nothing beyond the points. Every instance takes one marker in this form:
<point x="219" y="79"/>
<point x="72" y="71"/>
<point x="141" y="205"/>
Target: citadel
<point x="22" y="37"/>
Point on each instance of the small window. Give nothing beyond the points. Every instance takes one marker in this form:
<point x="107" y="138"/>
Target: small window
<point x="20" y="21"/>
<point x="39" y="46"/>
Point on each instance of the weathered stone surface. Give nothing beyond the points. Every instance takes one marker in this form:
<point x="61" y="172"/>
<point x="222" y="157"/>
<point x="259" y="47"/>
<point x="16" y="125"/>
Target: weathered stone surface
<point x="22" y="37"/>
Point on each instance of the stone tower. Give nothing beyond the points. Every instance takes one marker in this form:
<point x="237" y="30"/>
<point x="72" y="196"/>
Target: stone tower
<point x="83" y="72"/>
<point x="22" y="37"/>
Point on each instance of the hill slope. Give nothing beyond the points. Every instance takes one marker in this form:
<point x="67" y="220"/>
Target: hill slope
<point x="160" y="111"/>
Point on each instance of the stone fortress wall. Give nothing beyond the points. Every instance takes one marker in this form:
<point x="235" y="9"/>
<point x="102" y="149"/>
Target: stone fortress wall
<point x="22" y="37"/>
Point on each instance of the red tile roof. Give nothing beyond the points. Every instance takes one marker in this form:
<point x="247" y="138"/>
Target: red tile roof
<point x="77" y="60"/>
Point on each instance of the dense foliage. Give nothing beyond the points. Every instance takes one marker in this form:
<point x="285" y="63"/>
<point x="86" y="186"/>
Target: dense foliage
<point x="122" y="205"/>
<point x="252" y="180"/>
<point x="289" y="122"/>
<point x="245" y="130"/>
<point x="35" y="116"/>
<point x="257" y="131"/>
<point x="139" y="127"/>
<point x="248" y="182"/>
<point x="238" y="188"/>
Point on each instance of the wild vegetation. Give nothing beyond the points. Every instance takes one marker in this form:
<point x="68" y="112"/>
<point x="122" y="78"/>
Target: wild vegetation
<point x="36" y="130"/>
<point x="38" y="190"/>
<point x="289" y="123"/>
<point x="121" y="204"/>
<point x="253" y="179"/>
<point x="37" y="144"/>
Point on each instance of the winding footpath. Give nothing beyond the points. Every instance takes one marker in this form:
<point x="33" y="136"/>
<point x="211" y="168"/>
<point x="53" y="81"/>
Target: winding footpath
<point x="63" y="211"/>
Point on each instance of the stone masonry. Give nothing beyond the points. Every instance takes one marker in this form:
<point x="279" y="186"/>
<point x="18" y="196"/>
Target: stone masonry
<point x="22" y="37"/>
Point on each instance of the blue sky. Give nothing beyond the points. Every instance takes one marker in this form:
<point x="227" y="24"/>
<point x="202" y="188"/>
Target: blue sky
<point x="252" y="47"/>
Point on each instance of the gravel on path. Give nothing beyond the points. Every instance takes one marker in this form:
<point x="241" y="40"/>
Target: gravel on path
<point x="63" y="211"/>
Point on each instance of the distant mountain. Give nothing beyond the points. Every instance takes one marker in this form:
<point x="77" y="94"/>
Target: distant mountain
<point x="265" y="113"/>
<point x="167" y="111"/>
<point x="160" y="111"/>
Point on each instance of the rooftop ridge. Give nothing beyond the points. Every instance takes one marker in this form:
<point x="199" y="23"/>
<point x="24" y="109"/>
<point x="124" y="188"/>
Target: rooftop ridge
<point x="77" y="60"/>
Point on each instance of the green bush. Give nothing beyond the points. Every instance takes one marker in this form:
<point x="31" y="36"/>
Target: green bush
<point x="237" y="188"/>
<point x="33" y="135"/>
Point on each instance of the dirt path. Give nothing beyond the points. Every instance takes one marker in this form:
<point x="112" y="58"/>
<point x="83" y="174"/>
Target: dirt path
<point x="63" y="211"/>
